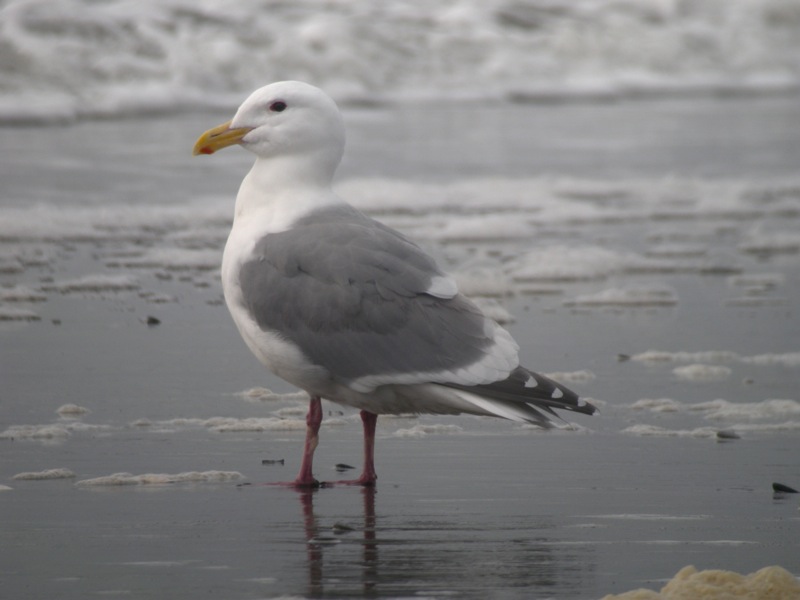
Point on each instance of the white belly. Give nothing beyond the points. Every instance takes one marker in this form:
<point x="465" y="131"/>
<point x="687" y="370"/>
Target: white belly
<point x="279" y="355"/>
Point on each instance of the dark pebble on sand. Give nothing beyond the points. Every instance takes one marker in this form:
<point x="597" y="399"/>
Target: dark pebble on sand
<point x="152" y="321"/>
<point x="339" y="527"/>
<point x="273" y="461"/>
<point x="343" y="467"/>
<point x="727" y="434"/>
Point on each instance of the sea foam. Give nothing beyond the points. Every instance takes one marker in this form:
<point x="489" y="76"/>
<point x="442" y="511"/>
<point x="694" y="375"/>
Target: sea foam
<point x="123" y="479"/>
<point x="140" y="57"/>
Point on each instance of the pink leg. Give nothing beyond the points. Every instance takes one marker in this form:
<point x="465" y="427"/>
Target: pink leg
<point x="368" y="475"/>
<point x="313" y="420"/>
<point x="305" y="478"/>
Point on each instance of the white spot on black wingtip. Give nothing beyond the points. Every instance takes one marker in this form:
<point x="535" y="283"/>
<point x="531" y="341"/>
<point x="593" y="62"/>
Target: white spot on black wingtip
<point x="531" y="383"/>
<point x="582" y="403"/>
<point x="557" y="393"/>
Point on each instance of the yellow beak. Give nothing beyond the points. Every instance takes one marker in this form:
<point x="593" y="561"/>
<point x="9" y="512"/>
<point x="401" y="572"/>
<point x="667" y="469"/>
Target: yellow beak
<point x="219" y="137"/>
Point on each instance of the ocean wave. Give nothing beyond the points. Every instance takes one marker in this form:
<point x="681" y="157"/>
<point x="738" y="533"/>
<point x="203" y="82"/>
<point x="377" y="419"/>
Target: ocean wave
<point x="78" y="58"/>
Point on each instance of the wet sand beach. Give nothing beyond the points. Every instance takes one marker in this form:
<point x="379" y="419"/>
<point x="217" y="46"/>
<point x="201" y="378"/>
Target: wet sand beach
<point x="645" y="254"/>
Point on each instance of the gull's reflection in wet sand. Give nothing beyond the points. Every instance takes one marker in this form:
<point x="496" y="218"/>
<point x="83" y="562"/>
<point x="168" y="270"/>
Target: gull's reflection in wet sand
<point x="316" y="541"/>
<point x="436" y="550"/>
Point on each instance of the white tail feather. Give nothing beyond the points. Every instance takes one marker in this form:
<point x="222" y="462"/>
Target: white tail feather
<point x="492" y="407"/>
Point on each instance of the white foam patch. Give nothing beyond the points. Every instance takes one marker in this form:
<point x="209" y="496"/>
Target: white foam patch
<point x="269" y="581"/>
<point x="94" y="284"/>
<point x="422" y="430"/>
<point x="72" y="411"/>
<point x="653" y="517"/>
<point x="52" y="432"/>
<point x="485" y="228"/>
<point x="782" y="427"/>
<point x="158" y="298"/>
<point x="493" y="50"/>
<point x="658" y="405"/>
<point x="630" y="296"/>
<point x="291" y="411"/>
<point x="677" y="251"/>
<point x="171" y="259"/>
<point x="36" y="432"/>
<point x="781" y="414"/>
<point x="262" y="394"/>
<point x="137" y="223"/>
<point x="122" y="479"/>
<point x="229" y="424"/>
<point x="788" y="359"/>
<point x="44" y="475"/>
<point x="700" y="372"/>
<point x="763" y="281"/>
<point x="644" y="430"/>
<point x="557" y="427"/>
<point x="10" y="264"/>
<point x="568" y="263"/>
<point x="158" y="563"/>
<point x="12" y="313"/>
<point x="785" y="359"/>
<point x="769" y="243"/>
<point x="21" y="293"/>
<point x="660" y="356"/>
<point x="232" y="424"/>
<point x="767" y="409"/>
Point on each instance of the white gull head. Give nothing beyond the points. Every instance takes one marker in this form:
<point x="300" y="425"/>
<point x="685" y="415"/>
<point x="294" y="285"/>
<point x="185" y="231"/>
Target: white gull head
<point x="292" y="126"/>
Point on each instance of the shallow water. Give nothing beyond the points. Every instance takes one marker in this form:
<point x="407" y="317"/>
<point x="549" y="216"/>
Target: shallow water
<point x="602" y="231"/>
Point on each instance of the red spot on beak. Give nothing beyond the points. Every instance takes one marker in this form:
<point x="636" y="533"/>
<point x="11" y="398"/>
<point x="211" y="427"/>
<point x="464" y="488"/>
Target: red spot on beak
<point x="206" y="150"/>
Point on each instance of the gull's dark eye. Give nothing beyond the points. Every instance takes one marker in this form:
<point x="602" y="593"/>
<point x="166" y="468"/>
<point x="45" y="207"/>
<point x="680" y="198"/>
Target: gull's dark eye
<point x="278" y="106"/>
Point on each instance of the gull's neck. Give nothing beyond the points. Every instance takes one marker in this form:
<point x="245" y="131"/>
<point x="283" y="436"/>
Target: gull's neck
<point x="279" y="190"/>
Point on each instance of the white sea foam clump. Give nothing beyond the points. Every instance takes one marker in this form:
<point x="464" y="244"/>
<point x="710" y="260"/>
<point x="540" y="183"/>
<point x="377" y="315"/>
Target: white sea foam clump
<point x="661" y="356"/>
<point x="700" y="372"/>
<point x="72" y="411"/>
<point x="12" y="313"/>
<point x="21" y="293"/>
<point x="94" y="284"/>
<point x="120" y="479"/>
<point x="262" y="394"/>
<point x="44" y="475"/>
<point x="568" y="263"/>
<point x="630" y="296"/>
<point x="572" y="377"/>
<point x="422" y="430"/>
<point x="787" y="359"/>
<point x="784" y="359"/>
<point x="376" y="51"/>
<point x="36" y="432"/>
<point x="661" y="405"/>
<point x="767" y="409"/>
<point x="230" y="424"/>
<point x="645" y="430"/>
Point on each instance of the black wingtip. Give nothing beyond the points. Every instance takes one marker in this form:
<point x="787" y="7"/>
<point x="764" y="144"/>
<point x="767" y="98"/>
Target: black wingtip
<point x="541" y="396"/>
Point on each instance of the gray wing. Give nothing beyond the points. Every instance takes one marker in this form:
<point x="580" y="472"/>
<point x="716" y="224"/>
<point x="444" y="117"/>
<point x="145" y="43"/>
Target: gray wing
<point x="353" y="295"/>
